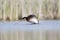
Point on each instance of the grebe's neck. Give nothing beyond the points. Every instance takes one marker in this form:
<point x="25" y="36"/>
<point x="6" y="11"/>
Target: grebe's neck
<point x="24" y="17"/>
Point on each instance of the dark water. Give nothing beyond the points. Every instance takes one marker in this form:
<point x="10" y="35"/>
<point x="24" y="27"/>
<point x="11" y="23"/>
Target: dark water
<point x="23" y="25"/>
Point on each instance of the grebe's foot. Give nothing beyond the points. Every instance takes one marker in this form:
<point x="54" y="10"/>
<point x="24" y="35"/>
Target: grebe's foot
<point x="35" y="23"/>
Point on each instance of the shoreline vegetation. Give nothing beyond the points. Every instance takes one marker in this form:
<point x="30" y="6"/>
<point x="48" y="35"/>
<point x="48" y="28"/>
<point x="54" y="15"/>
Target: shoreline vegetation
<point x="16" y="9"/>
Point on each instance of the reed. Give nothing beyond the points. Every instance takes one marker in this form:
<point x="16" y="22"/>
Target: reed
<point x="43" y="9"/>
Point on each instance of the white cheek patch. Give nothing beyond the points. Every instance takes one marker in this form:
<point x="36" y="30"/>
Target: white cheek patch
<point x="33" y="20"/>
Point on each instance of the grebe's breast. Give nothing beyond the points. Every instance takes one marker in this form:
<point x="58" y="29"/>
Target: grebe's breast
<point x="33" y="20"/>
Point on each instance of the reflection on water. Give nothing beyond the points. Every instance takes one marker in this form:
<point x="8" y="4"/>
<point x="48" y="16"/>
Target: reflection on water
<point x="30" y="35"/>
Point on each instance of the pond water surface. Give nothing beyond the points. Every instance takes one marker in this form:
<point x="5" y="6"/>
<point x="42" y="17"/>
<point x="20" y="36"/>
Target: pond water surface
<point x="25" y="26"/>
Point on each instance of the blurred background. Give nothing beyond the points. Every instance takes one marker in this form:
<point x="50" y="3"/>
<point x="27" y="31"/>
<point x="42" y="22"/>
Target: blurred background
<point x="16" y="9"/>
<point x="13" y="10"/>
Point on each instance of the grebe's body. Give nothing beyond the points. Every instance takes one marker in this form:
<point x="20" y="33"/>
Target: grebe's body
<point x="31" y="18"/>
